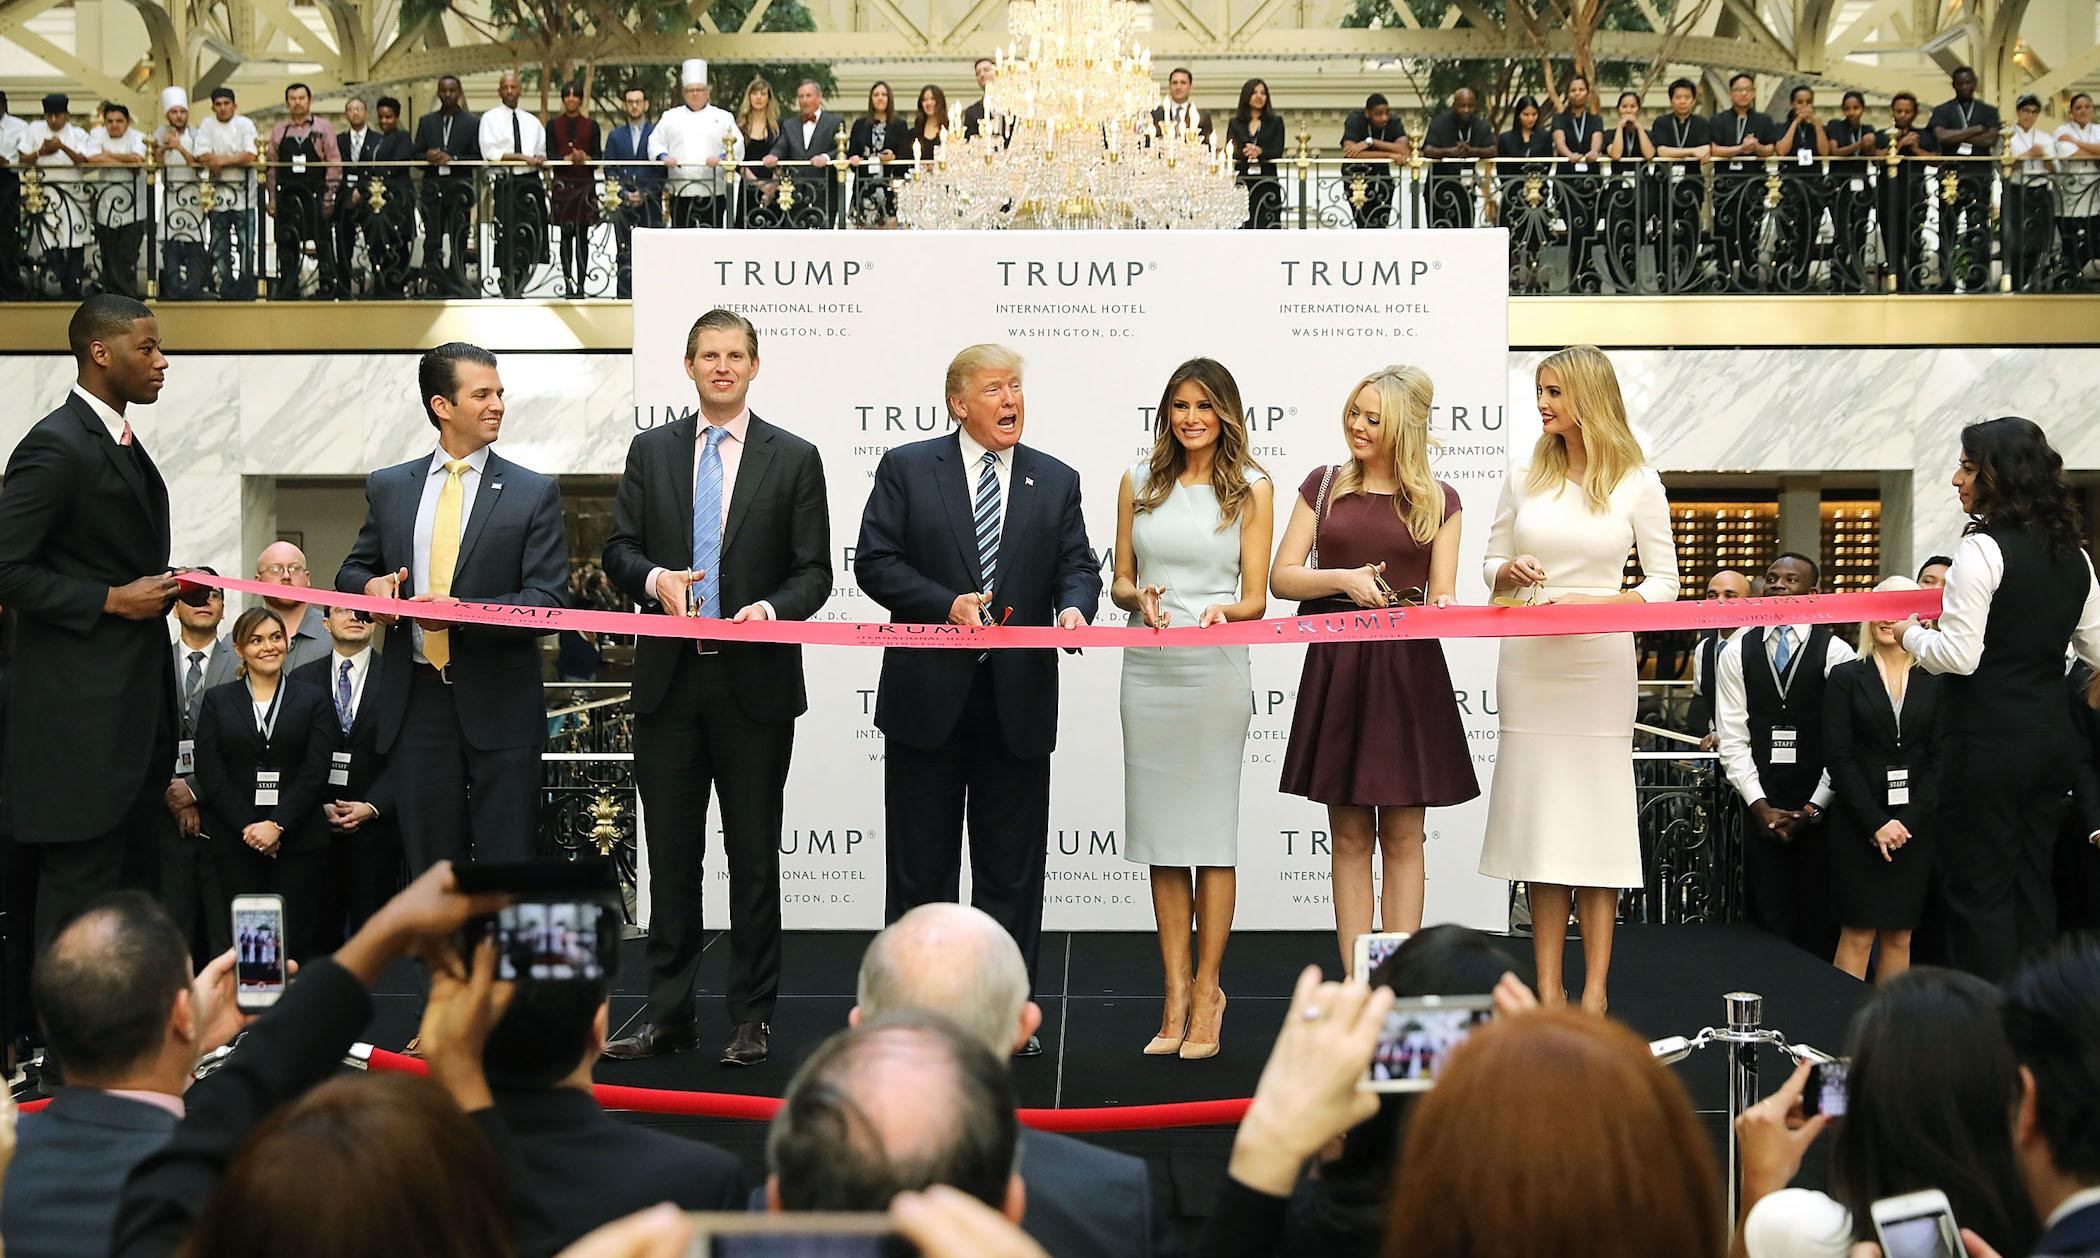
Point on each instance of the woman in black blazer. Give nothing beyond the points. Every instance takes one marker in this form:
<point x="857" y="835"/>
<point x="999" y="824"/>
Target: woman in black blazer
<point x="260" y="844"/>
<point x="875" y="160"/>
<point x="1254" y="137"/>
<point x="1881" y="727"/>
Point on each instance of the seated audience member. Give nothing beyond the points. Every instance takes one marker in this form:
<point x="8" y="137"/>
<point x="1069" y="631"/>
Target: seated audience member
<point x="581" y="1166"/>
<point x="121" y="1012"/>
<point x="272" y="1156"/>
<point x="1928" y="1033"/>
<point x="955" y="961"/>
<point x="894" y="1106"/>
<point x="1555" y="1133"/>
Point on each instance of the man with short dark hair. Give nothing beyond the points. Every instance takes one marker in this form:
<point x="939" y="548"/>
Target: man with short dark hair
<point x="890" y="1106"/>
<point x="1902" y="198"/>
<point x="1455" y="136"/>
<point x="1179" y="113"/>
<point x="391" y="229"/>
<point x="120" y="198"/>
<point x="1741" y="136"/>
<point x="445" y="136"/>
<point x="641" y="181"/>
<point x="226" y="144"/>
<point x="84" y="541"/>
<point x="459" y="708"/>
<point x="1965" y="127"/>
<point x="1373" y="132"/>
<point x="1768" y="720"/>
<point x="189" y="876"/>
<point x="1932" y="574"/>
<point x="1682" y="135"/>
<point x="973" y="113"/>
<point x="576" y="1165"/>
<point x="120" y="1011"/>
<point x="360" y="803"/>
<point x="299" y="191"/>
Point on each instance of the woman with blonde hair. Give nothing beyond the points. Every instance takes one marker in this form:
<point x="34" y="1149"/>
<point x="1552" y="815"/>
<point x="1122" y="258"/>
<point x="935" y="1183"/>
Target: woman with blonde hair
<point x="1561" y="815"/>
<point x="1193" y="524"/>
<point x="1376" y="736"/>
<point x="1881" y="728"/>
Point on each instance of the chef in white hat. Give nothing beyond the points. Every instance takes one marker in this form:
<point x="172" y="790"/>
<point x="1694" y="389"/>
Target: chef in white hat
<point x="693" y="141"/>
<point x="183" y="262"/>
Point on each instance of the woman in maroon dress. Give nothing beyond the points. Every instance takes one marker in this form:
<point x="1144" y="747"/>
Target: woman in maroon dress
<point x="1376" y="736"/>
<point x="572" y="141"/>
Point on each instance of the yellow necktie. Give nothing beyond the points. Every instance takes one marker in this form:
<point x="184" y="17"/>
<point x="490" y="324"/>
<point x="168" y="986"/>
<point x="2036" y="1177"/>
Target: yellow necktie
<point x="444" y="555"/>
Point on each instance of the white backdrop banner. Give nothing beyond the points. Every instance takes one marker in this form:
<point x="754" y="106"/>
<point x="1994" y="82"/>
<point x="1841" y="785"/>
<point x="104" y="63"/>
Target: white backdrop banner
<point x="855" y="333"/>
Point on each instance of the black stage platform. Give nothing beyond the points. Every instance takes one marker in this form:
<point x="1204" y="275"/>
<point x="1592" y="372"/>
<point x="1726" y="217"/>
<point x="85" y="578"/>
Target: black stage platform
<point x="1100" y="995"/>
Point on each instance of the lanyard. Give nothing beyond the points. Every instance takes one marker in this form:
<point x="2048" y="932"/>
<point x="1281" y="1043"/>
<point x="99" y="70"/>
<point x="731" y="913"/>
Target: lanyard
<point x="1742" y="127"/>
<point x="1684" y="128"/>
<point x="1578" y="124"/>
<point x="1968" y="115"/>
<point x="445" y="137"/>
<point x="266" y="723"/>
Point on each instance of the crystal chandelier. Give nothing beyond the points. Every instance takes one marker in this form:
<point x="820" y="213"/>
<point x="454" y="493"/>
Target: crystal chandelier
<point x="1068" y="139"/>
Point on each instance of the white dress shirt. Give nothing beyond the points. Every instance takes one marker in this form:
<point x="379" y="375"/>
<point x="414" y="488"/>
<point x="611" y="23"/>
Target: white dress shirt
<point x="496" y="139"/>
<point x="228" y="139"/>
<point x="1732" y="708"/>
<point x="694" y="137"/>
<point x="2071" y="1205"/>
<point x="110" y="419"/>
<point x="12" y="129"/>
<point x="2080" y="185"/>
<point x="1965" y="607"/>
<point x="731" y="452"/>
<point x="360" y="668"/>
<point x="127" y="203"/>
<point x="426" y="518"/>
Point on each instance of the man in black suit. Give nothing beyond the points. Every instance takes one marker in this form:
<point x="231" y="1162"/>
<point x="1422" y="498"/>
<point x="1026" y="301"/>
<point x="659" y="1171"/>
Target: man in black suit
<point x="973" y="114"/>
<point x="578" y="1166"/>
<point x="733" y="526"/>
<point x="1179" y="113"/>
<point x="1724" y="586"/>
<point x="84" y="566"/>
<point x="446" y="136"/>
<point x="118" y="1005"/>
<point x="390" y="229"/>
<point x="365" y="842"/>
<point x="812" y="136"/>
<point x="968" y="529"/>
<point x="459" y="709"/>
<point x="1082" y="1201"/>
<point x="189" y="877"/>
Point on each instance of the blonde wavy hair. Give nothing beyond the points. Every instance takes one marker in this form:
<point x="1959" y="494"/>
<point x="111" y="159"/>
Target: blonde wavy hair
<point x="1404" y="393"/>
<point x="746" y="113"/>
<point x="1229" y="463"/>
<point x="1866" y="627"/>
<point x="1590" y="388"/>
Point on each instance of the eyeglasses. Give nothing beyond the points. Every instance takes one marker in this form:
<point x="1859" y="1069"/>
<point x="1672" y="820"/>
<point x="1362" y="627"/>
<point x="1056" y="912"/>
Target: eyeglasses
<point x="282" y="570"/>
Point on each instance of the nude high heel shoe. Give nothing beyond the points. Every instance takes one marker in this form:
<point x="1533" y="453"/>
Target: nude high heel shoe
<point x="1196" y="1050"/>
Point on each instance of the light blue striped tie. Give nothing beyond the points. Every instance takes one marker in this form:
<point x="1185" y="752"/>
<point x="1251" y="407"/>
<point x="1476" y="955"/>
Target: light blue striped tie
<point x="1783" y="654"/>
<point x="707" y="524"/>
<point x="988" y="517"/>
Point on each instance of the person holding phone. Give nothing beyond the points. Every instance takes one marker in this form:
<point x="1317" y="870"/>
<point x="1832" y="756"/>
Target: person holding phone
<point x="1881" y="728"/>
<point x="1376" y="735"/>
<point x="1194" y="521"/>
<point x="262" y="759"/>
<point x="1561" y="532"/>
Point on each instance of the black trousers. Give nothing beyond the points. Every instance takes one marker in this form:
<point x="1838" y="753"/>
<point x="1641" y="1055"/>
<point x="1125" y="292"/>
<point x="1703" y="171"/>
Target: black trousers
<point x="1377" y="209"/>
<point x="191" y="891"/>
<point x="1787" y="884"/>
<point x="299" y="875"/>
<point x="1965" y="234"/>
<point x="648" y="213"/>
<point x="520" y="203"/>
<point x="1739" y="213"/>
<point x="2026" y="220"/>
<point x="350" y="222"/>
<point x="120" y="258"/>
<point x="460" y="803"/>
<point x="2004" y="802"/>
<point x="699" y="738"/>
<point x="10" y="238"/>
<point x="928" y="792"/>
<point x="299" y="220"/>
<point x="70" y="875"/>
<point x="364" y="872"/>
<point x="448" y="223"/>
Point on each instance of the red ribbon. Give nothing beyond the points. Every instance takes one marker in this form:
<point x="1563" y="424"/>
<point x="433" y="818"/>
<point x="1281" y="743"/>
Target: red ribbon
<point x="1361" y="625"/>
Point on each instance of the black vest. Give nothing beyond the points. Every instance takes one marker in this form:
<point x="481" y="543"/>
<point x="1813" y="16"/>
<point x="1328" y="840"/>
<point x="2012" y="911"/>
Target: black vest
<point x="1799" y="708"/>
<point x="2019" y="681"/>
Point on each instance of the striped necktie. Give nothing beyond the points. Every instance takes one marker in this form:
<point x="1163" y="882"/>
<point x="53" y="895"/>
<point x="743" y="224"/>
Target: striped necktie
<point x="988" y="518"/>
<point x="707" y="525"/>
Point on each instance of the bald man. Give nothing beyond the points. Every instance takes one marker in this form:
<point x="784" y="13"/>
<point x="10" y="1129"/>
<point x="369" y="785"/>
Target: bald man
<point x="1726" y="586"/>
<point x="956" y="961"/>
<point x="285" y="564"/>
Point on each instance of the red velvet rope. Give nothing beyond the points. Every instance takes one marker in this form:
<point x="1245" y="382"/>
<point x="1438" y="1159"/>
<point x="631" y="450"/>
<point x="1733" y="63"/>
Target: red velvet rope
<point x="762" y="1108"/>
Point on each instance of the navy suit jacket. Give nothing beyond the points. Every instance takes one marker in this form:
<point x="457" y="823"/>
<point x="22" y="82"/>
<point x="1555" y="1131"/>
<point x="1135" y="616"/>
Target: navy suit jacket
<point x="2075" y="1236"/>
<point x="645" y="176"/>
<point x="93" y="715"/>
<point x="71" y="1160"/>
<point x="1084" y="1201"/>
<point x="513" y="551"/>
<point x="370" y="782"/>
<point x="918" y="551"/>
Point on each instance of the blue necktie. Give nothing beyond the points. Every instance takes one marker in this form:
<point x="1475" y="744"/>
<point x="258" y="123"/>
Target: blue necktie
<point x="1784" y="652"/>
<point x="988" y="518"/>
<point x="707" y="524"/>
<point x="343" y="715"/>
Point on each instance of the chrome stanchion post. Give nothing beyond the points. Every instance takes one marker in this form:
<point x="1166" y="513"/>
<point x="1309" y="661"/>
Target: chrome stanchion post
<point x="1743" y="1033"/>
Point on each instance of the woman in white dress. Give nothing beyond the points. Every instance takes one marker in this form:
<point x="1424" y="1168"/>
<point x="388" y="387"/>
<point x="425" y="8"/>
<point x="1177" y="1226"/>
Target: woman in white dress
<point x="1561" y="815"/>
<point x="1193" y="522"/>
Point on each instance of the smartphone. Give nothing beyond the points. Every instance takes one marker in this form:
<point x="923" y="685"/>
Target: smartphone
<point x="258" y="951"/>
<point x="1371" y="951"/>
<point x="797" y="1236"/>
<point x="550" y="941"/>
<point x="1419" y="1036"/>
<point x="1826" y="1090"/>
<point x="1917" y="1225"/>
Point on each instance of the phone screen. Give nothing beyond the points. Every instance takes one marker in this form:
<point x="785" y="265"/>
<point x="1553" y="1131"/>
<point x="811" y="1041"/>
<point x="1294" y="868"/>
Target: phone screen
<point x="1373" y="949"/>
<point x="549" y="941"/>
<point x="1420" y="1034"/>
<point x="809" y="1245"/>
<point x="258" y="949"/>
<point x="1920" y="1236"/>
<point x="1826" y="1090"/>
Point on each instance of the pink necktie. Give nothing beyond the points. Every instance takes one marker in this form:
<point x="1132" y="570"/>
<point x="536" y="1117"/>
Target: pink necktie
<point x="125" y="440"/>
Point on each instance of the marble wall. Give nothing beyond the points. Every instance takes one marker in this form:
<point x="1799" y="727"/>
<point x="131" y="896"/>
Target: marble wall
<point x="228" y="425"/>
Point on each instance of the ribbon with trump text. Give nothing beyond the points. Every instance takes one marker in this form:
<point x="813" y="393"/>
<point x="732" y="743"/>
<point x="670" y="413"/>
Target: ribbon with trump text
<point x="1357" y="625"/>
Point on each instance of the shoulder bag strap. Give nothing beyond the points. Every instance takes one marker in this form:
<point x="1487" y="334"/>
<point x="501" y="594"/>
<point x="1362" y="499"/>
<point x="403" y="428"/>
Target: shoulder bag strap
<point x="1320" y="514"/>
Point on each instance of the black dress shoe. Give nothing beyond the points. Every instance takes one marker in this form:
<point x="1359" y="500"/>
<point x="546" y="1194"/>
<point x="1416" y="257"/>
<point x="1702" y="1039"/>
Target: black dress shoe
<point x="654" y="1040"/>
<point x="747" y="1044"/>
<point x="1033" y="1048"/>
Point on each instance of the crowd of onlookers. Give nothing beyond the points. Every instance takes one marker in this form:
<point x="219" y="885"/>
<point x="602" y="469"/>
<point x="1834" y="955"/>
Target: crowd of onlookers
<point x="373" y="203"/>
<point x="1545" y="1131"/>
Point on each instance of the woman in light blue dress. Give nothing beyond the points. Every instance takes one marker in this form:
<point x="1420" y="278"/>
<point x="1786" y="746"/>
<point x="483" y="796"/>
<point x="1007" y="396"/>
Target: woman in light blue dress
<point x="1193" y="526"/>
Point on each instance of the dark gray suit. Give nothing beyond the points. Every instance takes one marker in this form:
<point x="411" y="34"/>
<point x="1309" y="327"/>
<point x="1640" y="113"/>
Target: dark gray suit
<point x="1084" y="1201"/>
<point x="190" y="888"/>
<point x="811" y="184"/>
<point x="483" y="725"/>
<point x="71" y="1160"/>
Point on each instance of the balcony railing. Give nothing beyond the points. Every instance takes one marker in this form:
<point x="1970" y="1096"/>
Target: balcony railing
<point x="1832" y="225"/>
